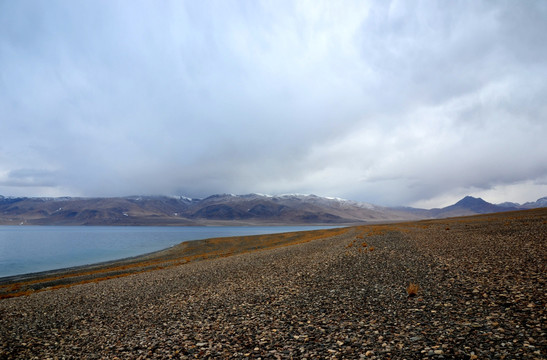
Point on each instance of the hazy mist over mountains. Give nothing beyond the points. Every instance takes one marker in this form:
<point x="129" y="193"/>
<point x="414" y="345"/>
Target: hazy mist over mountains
<point x="227" y="209"/>
<point x="415" y="103"/>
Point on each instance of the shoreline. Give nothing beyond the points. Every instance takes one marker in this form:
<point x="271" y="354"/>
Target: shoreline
<point x="52" y="271"/>
<point x="5" y="280"/>
<point x="479" y="292"/>
<point x="184" y="252"/>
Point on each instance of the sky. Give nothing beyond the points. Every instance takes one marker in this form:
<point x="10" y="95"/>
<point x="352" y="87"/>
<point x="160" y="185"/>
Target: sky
<point x="416" y="103"/>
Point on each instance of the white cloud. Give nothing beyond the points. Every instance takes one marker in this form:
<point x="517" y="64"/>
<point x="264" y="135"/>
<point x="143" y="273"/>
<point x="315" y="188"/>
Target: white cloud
<point x="386" y="102"/>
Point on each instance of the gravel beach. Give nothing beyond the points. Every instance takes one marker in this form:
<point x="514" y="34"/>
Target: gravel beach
<point x="482" y="295"/>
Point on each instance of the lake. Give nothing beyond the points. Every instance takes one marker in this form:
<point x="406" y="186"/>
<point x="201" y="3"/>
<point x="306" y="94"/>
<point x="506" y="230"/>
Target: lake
<point x="29" y="249"/>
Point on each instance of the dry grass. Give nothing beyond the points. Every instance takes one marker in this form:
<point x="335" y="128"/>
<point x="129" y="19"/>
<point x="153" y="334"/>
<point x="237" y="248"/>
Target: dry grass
<point x="412" y="289"/>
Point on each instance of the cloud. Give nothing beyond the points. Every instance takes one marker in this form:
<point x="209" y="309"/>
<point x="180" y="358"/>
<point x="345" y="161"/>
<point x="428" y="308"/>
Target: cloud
<point x="28" y="178"/>
<point x="387" y="102"/>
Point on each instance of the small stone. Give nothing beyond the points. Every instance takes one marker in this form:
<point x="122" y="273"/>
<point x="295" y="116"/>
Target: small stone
<point x="369" y="353"/>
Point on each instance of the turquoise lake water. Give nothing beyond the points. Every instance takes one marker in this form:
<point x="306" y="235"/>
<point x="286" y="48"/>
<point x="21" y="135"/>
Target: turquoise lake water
<point x="29" y="249"/>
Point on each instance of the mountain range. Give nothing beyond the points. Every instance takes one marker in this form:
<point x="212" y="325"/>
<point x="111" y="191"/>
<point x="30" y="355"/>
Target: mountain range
<point x="227" y="209"/>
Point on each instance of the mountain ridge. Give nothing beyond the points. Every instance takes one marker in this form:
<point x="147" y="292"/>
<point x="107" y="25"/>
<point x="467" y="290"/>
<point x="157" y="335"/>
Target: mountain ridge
<point x="227" y="209"/>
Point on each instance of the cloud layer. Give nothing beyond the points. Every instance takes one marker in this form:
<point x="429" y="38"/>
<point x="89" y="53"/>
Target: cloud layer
<point x="387" y="102"/>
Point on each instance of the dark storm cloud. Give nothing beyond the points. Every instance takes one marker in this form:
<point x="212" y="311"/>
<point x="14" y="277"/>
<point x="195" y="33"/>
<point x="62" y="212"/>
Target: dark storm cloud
<point x="387" y="102"/>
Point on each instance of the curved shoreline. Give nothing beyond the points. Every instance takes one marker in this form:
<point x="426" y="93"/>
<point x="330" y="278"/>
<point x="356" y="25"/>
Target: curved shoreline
<point x="25" y="284"/>
<point x="335" y="294"/>
<point x="4" y="280"/>
<point x="32" y="264"/>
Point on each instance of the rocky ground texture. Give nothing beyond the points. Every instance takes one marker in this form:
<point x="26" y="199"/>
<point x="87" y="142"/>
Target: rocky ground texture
<point x="482" y="294"/>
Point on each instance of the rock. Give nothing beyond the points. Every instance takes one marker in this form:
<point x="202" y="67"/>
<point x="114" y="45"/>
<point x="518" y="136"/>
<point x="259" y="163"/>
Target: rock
<point x="260" y="304"/>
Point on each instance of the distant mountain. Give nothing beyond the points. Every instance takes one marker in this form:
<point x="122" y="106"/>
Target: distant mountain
<point x="508" y="204"/>
<point x="473" y="206"/>
<point x="226" y="209"/>
<point x="469" y="206"/>
<point x="250" y="209"/>
<point x="539" y="203"/>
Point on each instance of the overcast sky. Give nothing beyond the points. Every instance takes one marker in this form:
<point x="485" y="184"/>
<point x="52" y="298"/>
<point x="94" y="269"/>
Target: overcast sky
<point x="393" y="103"/>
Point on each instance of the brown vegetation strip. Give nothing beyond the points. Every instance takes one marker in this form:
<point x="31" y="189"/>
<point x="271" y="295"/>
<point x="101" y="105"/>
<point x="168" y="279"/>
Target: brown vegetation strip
<point x="178" y="255"/>
<point x="461" y="288"/>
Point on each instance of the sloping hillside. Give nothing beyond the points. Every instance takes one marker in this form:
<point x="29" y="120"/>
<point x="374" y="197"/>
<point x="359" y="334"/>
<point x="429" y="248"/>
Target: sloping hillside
<point x="217" y="209"/>
<point x="227" y="209"/>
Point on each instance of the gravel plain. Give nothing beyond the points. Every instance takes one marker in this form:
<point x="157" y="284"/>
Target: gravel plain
<point x="482" y="295"/>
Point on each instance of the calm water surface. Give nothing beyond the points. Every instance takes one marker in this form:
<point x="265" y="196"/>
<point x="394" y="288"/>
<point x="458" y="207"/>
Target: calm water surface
<point x="28" y="249"/>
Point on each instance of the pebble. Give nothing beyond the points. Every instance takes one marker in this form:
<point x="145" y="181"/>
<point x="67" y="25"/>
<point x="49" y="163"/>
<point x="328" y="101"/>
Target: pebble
<point x="481" y="295"/>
